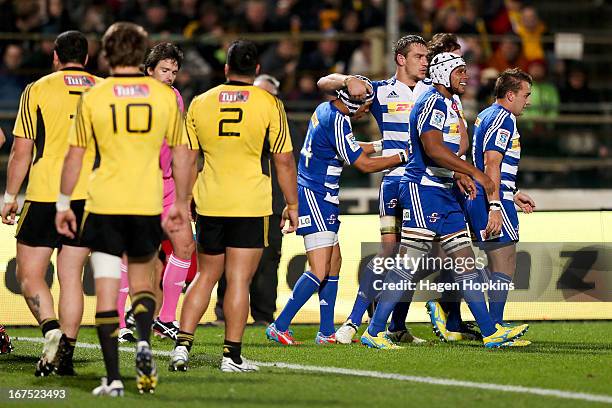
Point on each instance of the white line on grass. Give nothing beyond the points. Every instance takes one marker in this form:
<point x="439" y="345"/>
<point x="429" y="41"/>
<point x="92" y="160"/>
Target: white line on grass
<point x="393" y="376"/>
<point x="91" y="346"/>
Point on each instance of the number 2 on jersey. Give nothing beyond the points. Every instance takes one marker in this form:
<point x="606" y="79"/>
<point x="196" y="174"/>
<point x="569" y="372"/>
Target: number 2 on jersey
<point x="225" y="121"/>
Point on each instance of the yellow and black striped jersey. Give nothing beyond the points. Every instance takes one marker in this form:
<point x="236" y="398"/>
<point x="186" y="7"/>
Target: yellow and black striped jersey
<point x="46" y="111"/>
<point x="237" y="126"/>
<point x="126" y="118"/>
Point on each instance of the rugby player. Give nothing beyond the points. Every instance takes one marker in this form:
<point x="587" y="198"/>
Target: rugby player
<point x="496" y="151"/>
<point x="239" y="127"/>
<point x="126" y="117"/>
<point x="430" y="209"/>
<point x="391" y="106"/>
<point x="329" y="144"/>
<point x="46" y="111"/>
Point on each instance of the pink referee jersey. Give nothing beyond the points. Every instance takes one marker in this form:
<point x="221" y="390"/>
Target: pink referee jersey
<point x="165" y="162"/>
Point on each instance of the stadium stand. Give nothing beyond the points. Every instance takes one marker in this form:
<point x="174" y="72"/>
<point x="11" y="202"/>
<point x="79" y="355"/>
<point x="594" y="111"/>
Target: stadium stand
<point x="301" y="40"/>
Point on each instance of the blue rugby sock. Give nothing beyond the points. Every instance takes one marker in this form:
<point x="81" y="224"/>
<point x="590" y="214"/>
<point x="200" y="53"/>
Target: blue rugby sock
<point x="498" y="297"/>
<point x="476" y="301"/>
<point x="388" y="299"/>
<point x="327" y="302"/>
<point x="381" y="315"/>
<point x="302" y="291"/>
<point x="451" y="302"/>
<point x="398" y="317"/>
<point x="366" y="293"/>
<point x="359" y="309"/>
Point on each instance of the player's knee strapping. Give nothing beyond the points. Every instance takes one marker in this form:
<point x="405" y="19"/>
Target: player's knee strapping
<point x="416" y="242"/>
<point x="105" y="265"/>
<point x="320" y="239"/>
<point x="389" y="224"/>
<point x="455" y="242"/>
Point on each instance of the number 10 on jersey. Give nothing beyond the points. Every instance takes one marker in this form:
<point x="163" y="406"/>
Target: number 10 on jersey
<point x="136" y="115"/>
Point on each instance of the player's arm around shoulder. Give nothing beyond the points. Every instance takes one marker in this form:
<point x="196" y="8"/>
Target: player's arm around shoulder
<point x="353" y="153"/>
<point x="371" y="147"/>
<point x="356" y="87"/>
<point x="367" y="164"/>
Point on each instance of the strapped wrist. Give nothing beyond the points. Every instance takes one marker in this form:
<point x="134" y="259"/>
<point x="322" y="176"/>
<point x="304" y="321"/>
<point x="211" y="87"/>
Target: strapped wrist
<point x="9" y="198"/>
<point x="378" y="146"/>
<point x="495" y="205"/>
<point x="63" y="203"/>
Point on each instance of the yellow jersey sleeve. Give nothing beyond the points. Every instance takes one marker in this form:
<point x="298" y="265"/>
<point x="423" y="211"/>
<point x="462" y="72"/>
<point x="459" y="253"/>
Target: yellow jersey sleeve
<point x="190" y="136"/>
<point x="174" y="136"/>
<point x="82" y="129"/>
<point x="280" y="139"/>
<point x="25" y="125"/>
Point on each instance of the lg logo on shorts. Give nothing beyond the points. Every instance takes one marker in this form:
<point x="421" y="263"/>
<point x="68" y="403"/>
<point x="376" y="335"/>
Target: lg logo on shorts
<point x="406" y="215"/>
<point x="304" y="221"/>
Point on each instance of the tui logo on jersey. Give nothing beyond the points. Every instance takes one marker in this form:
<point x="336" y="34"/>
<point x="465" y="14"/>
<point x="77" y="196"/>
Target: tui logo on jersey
<point x="233" y="96"/>
<point x="131" y="91"/>
<point x="79" y="80"/>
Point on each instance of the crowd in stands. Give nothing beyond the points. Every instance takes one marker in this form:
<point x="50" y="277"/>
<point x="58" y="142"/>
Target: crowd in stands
<point x="494" y="34"/>
<point x="295" y="64"/>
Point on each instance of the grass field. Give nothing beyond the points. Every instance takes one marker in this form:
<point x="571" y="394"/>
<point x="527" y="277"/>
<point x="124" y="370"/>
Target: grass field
<point x="570" y="357"/>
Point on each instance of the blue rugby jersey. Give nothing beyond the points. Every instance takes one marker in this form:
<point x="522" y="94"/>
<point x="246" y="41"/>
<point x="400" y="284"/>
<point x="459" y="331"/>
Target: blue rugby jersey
<point x="495" y="129"/>
<point x="328" y="145"/>
<point x="432" y="111"/>
<point x="391" y="107"/>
